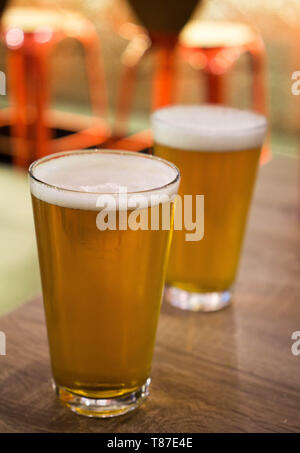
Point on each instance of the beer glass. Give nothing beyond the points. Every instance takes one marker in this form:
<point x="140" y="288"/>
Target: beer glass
<point x="102" y="271"/>
<point x="217" y="150"/>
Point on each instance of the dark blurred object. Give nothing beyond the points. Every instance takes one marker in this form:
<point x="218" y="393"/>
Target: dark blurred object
<point x="163" y="15"/>
<point x="3" y="4"/>
<point x="30" y="35"/>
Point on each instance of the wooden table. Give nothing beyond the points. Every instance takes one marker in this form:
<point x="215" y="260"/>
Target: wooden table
<point x="222" y="372"/>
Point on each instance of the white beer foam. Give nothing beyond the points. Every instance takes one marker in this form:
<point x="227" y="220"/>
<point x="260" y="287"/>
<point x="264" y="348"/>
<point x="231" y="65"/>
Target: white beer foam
<point x="208" y="127"/>
<point x="91" y="180"/>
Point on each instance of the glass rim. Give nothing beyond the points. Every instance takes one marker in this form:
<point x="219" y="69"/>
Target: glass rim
<point x="57" y="155"/>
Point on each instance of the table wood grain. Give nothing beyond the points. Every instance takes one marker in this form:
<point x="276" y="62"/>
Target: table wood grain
<point x="231" y="371"/>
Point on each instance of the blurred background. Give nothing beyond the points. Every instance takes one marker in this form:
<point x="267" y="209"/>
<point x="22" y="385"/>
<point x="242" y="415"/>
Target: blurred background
<point x="79" y="74"/>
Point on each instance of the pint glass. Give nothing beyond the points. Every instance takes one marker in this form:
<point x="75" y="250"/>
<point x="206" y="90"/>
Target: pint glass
<point x="217" y="151"/>
<point x="102" y="271"/>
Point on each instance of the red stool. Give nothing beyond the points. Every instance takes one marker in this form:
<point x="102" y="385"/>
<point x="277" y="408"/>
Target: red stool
<point x="30" y="35"/>
<point x="213" y="48"/>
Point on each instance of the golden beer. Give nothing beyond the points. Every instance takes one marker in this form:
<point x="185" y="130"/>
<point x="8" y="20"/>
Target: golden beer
<point x="217" y="151"/>
<point x="102" y="289"/>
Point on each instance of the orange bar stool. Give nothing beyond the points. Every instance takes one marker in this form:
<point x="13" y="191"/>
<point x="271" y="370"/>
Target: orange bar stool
<point x="213" y="48"/>
<point x="30" y="35"/>
<point x="161" y="22"/>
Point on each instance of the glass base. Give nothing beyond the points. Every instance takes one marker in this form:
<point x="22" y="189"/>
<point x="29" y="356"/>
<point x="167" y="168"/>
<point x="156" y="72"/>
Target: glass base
<point x="102" y="407"/>
<point x="186" y="300"/>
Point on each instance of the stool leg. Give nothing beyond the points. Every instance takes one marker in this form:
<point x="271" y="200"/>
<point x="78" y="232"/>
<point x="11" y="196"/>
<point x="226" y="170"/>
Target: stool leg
<point x="259" y="90"/>
<point x="41" y="134"/>
<point x="124" y="100"/>
<point x="214" y="88"/>
<point x="16" y="73"/>
<point x="164" y="76"/>
<point x="28" y="74"/>
<point x="95" y="76"/>
<point x="259" y="80"/>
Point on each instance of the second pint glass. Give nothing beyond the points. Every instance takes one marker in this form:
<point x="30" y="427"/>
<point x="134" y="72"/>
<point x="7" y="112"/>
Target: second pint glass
<point x="217" y="151"/>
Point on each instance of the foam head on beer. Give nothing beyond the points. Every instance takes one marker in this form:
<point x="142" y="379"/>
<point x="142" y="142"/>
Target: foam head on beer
<point x="80" y="180"/>
<point x="208" y="128"/>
